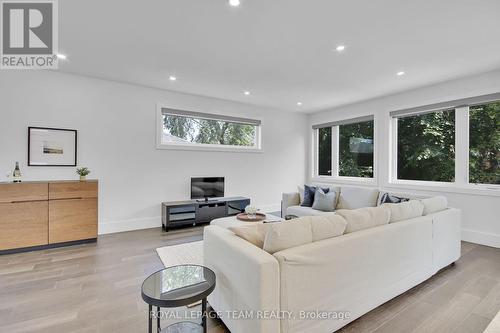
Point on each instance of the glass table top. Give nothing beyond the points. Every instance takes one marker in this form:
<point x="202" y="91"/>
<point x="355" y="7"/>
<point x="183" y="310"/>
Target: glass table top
<point x="178" y="283"/>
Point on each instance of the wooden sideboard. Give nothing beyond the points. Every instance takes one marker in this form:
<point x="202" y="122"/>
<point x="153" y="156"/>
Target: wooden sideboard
<point x="36" y="215"/>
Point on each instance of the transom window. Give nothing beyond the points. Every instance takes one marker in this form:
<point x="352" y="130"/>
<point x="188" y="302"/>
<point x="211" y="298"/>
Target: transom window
<point x="195" y="130"/>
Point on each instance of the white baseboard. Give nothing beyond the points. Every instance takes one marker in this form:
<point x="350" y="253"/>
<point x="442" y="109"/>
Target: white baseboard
<point x="111" y="227"/>
<point x="482" y="238"/>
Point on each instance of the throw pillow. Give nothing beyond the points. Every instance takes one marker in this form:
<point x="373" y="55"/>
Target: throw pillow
<point x="254" y="234"/>
<point x="309" y="192"/>
<point x="324" y="201"/>
<point x="404" y="210"/>
<point x="388" y="198"/>
<point x="288" y="234"/>
<point x="434" y="204"/>
<point x="364" y="218"/>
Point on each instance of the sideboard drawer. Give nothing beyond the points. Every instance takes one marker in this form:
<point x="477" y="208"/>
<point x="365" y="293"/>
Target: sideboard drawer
<point x="73" y="190"/>
<point x="22" y="192"/>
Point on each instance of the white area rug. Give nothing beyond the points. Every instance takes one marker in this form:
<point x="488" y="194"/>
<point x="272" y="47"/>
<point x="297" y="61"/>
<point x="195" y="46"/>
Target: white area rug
<point x="494" y="326"/>
<point x="185" y="253"/>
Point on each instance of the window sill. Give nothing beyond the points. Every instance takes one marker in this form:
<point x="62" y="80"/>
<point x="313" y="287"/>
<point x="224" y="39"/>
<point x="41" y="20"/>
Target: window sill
<point x="345" y="180"/>
<point x="480" y="189"/>
<point x="227" y="149"/>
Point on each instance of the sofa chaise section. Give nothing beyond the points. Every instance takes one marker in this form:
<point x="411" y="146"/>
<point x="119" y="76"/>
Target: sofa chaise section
<point x="353" y="273"/>
<point x="247" y="279"/>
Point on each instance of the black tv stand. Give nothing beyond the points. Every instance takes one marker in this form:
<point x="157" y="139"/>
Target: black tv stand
<point x="200" y="211"/>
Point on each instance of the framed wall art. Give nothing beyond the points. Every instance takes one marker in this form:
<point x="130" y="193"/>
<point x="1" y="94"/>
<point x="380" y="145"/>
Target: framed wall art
<point x="52" y="146"/>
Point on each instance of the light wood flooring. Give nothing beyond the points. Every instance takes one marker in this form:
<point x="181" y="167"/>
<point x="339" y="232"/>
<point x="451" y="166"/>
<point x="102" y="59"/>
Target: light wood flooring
<point x="96" y="288"/>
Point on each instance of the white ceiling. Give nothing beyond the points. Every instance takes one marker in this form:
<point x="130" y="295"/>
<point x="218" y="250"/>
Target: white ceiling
<point x="282" y="51"/>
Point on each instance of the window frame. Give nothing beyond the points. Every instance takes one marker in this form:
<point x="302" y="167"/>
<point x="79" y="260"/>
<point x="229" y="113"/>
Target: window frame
<point x="461" y="181"/>
<point x="335" y="177"/>
<point x="161" y="110"/>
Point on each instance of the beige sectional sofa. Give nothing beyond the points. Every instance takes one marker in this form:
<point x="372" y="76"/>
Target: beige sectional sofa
<point x="321" y="286"/>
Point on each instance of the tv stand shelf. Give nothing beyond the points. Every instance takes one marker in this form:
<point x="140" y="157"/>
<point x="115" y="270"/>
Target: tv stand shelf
<point x="195" y="212"/>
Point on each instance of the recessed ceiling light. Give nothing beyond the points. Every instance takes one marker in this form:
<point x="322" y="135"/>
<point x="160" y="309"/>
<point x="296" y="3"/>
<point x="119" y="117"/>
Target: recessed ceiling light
<point x="247" y="93"/>
<point x="172" y="78"/>
<point x="234" y="3"/>
<point x="299" y="103"/>
<point x="400" y="73"/>
<point x="340" y="48"/>
<point x="61" y="56"/>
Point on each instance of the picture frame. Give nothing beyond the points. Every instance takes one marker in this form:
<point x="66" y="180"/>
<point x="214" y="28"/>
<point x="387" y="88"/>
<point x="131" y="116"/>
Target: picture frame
<point x="52" y="146"/>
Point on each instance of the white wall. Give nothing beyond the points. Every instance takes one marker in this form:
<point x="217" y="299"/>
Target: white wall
<point x="481" y="211"/>
<point x="116" y="134"/>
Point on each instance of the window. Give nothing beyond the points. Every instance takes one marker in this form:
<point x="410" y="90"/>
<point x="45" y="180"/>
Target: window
<point x="345" y="148"/>
<point x="356" y="149"/>
<point x="186" y="129"/>
<point x="325" y="151"/>
<point x="455" y="142"/>
<point x="426" y="146"/>
<point x="484" y="143"/>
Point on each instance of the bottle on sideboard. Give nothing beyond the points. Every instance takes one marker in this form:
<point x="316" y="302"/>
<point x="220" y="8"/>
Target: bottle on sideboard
<point x="17" y="173"/>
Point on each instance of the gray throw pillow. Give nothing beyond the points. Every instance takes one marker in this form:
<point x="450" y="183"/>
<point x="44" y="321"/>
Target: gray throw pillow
<point x="324" y="201"/>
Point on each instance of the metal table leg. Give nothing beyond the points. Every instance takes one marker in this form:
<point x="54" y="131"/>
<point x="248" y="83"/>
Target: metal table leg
<point x="150" y="319"/>
<point x="158" y="327"/>
<point x="204" y="315"/>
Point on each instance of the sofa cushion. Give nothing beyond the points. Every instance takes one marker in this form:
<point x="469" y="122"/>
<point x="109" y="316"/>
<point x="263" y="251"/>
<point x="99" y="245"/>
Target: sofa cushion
<point x="326" y="226"/>
<point x="301" y="194"/>
<point x="288" y="234"/>
<point x="404" y="210"/>
<point x="303" y="211"/>
<point x="357" y="197"/>
<point x="324" y="201"/>
<point x="364" y="218"/>
<point x="254" y="234"/>
<point x="434" y="204"/>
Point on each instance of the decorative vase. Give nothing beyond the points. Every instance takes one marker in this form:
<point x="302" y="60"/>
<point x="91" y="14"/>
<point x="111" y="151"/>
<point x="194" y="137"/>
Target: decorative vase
<point x="83" y="178"/>
<point x="251" y="211"/>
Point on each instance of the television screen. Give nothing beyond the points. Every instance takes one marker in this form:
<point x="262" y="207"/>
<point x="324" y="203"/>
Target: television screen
<point x="207" y="187"/>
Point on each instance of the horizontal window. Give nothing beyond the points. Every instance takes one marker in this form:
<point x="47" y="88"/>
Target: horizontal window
<point x="426" y="146"/>
<point x="484" y="143"/>
<point x="192" y="129"/>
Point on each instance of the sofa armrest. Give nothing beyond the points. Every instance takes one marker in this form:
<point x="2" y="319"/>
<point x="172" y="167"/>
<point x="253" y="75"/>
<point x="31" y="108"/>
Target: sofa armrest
<point x="247" y="280"/>
<point x="287" y="200"/>
<point x="446" y="237"/>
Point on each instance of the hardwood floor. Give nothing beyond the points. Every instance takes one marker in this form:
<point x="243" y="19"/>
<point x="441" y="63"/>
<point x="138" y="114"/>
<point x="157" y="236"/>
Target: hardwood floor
<point x="96" y="288"/>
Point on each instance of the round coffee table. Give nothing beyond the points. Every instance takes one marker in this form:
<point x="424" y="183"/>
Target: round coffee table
<point x="178" y="286"/>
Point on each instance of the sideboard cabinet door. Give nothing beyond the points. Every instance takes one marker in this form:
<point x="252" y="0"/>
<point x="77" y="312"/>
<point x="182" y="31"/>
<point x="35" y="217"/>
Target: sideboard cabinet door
<point x="72" y="211"/>
<point x="23" y="224"/>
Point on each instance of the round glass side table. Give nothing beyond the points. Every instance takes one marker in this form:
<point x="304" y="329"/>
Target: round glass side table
<point x="178" y="286"/>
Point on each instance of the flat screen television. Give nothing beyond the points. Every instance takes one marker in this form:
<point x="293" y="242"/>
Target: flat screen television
<point x="207" y="187"/>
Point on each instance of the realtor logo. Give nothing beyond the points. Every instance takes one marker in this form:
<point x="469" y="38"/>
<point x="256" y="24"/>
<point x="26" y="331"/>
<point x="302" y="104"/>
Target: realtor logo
<point x="29" y="34"/>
